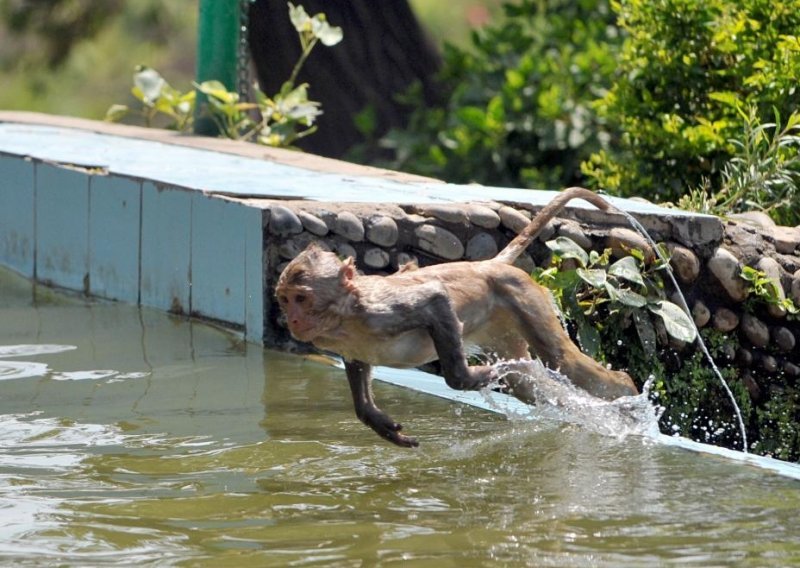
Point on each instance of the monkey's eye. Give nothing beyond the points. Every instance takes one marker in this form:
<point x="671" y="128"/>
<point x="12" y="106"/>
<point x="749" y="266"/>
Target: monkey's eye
<point x="283" y="300"/>
<point x="300" y="298"/>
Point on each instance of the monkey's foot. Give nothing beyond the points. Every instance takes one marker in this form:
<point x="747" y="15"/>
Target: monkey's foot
<point x="388" y="429"/>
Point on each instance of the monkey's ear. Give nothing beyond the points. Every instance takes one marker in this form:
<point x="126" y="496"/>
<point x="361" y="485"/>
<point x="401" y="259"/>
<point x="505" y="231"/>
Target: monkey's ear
<point x="347" y="273"/>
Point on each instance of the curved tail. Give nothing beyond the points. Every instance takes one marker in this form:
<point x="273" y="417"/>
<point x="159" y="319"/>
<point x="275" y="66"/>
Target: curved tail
<point x="518" y="245"/>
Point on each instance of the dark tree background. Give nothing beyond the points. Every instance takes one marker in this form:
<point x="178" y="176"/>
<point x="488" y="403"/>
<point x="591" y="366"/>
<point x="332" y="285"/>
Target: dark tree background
<point x="384" y="51"/>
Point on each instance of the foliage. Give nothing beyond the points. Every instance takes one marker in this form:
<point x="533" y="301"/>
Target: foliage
<point x="598" y="292"/>
<point x="65" y="56"/>
<point x="157" y="97"/>
<point x="767" y="290"/>
<point x="58" y="26"/>
<point x="607" y="305"/>
<point x="763" y="174"/>
<point x="686" y="68"/>
<point x="517" y="106"/>
<point x="274" y="121"/>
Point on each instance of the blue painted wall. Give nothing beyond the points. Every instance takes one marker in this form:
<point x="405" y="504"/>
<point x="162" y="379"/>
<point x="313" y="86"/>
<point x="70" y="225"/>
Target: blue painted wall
<point x="132" y="240"/>
<point x="16" y="214"/>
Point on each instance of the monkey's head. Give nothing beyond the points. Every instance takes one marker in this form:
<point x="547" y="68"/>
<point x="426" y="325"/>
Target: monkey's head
<point x="313" y="291"/>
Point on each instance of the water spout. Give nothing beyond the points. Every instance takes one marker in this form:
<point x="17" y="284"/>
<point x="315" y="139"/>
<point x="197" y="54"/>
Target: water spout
<point x="699" y="340"/>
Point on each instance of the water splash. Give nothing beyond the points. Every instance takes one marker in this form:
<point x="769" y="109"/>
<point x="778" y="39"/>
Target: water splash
<point x="555" y="397"/>
<point x="699" y="340"/>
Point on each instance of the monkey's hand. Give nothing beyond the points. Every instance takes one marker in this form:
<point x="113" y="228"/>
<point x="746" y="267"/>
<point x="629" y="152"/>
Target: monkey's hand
<point x="472" y="378"/>
<point x="388" y="428"/>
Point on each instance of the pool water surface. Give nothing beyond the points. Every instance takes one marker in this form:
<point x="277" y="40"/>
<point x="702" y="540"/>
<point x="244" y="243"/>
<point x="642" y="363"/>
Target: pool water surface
<point x="131" y="437"/>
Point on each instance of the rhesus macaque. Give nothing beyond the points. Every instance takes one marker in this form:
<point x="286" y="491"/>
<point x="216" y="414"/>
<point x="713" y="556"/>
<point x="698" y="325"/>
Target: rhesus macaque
<point x="425" y="314"/>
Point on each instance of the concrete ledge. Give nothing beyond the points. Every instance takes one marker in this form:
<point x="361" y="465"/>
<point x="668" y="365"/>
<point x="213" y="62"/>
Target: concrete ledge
<point x="182" y="223"/>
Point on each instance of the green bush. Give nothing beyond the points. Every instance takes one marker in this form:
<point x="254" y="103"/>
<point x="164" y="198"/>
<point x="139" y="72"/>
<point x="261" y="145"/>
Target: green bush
<point x="518" y="106"/>
<point x="686" y="71"/>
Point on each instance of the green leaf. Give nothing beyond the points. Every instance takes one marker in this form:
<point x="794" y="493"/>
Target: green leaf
<point x="677" y="323"/>
<point x="645" y="331"/>
<point x="218" y="91"/>
<point x="565" y="247"/>
<point x="595" y="277"/>
<point x="630" y="298"/>
<point x="472" y="116"/>
<point x="729" y="98"/>
<point x="589" y="338"/>
<point x="628" y="269"/>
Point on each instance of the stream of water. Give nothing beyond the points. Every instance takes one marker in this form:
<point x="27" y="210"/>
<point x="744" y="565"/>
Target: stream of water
<point x="130" y="437"/>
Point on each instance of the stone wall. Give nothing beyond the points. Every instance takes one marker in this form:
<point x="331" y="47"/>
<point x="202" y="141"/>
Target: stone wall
<point x="706" y="258"/>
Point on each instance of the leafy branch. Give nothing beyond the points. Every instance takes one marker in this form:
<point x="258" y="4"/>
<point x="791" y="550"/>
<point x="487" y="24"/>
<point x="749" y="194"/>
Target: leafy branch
<point x="591" y="285"/>
<point x="277" y="121"/>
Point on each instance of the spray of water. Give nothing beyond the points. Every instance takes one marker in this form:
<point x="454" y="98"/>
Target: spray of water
<point x="642" y="231"/>
<point x="555" y="397"/>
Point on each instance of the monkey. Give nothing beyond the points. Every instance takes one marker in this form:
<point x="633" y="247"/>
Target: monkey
<point x="423" y="314"/>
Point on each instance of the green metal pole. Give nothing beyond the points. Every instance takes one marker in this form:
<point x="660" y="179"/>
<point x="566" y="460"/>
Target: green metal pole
<point x="217" y="49"/>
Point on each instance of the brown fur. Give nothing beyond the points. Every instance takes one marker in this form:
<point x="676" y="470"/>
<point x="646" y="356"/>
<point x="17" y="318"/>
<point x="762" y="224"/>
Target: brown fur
<point x="419" y="315"/>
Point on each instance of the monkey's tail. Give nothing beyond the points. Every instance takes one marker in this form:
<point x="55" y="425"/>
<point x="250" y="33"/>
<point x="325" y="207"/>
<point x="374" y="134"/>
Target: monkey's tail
<point x="518" y="245"/>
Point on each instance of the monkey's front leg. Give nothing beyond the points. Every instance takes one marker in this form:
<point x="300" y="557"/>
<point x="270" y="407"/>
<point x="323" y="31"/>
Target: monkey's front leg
<point x="359" y="375"/>
<point x="445" y="330"/>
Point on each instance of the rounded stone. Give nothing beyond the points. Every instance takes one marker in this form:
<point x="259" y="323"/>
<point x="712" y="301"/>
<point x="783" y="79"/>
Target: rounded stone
<point x="382" y="231"/>
<point x="700" y="314"/>
<point x="345" y="251"/>
<point x="446" y="213"/>
<point x="725" y="320"/>
<point x="283" y="221"/>
<point x="313" y="224"/>
<point x="744" y="357"/>
<point x="795" y="289"/>
<point x="769" y="363"/>
<point x="621" y="241"/>
<point x="513" y="219"/>
<point x="728" y="352"/>
<point x="752" y="386"/>
<point x="376" y="258"/>
<point x="573" y="231"/>
<point x="349" y="226"/>
<point x="481" y="247"/>
<point x="787" y="239"/>
<point x="685" y="263"/>
<point x="525" y="263"/>
<point x="439" y="241"/>
<point x="726" y="268"/>
<point x="791" y="369"/>
<point x="482" y="216"/>
<point x="754" y="218"/>
<point x="289" y="249"/>
<point x="755" y="330"/>
<point x="784" y="339"/>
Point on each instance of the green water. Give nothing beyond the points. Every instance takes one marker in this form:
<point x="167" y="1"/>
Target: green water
<point x="133" y="438"/>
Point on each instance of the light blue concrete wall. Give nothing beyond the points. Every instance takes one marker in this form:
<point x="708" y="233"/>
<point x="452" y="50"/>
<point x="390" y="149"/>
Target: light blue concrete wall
<point x="227" y="261"/>
<point x="114" y="222"/>
<point x="132" y="240"/>
<point x="16" y="214"/>
<point x="61" y="226"/>
<point x="166" y="248"/>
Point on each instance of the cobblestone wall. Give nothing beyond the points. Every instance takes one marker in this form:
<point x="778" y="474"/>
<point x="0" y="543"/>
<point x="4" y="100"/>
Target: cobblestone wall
<point x="707" y="260"/>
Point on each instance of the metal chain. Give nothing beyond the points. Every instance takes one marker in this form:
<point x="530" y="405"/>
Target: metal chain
<point x="243" y="54"/>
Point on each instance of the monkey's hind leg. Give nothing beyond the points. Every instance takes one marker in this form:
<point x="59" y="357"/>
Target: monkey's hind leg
<point x="540" y="325"/>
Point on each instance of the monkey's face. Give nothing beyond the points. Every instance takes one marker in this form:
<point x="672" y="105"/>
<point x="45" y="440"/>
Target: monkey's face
<point x="297" y="305"/>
